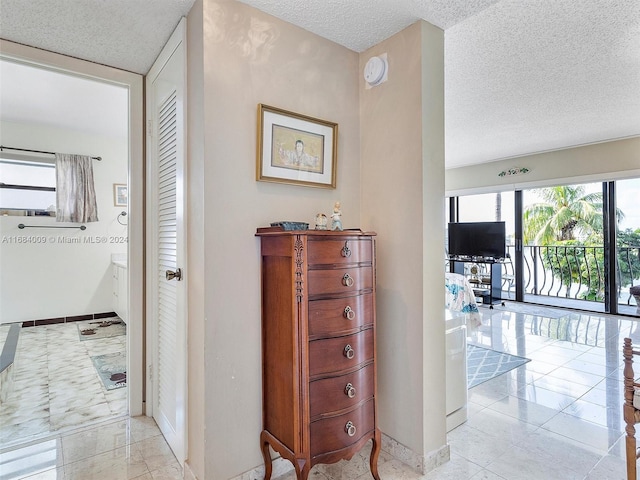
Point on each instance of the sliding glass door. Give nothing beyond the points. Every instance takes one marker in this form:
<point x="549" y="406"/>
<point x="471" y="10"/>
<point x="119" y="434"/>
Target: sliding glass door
<point x="563" y="246"/>
<point x="627" y="246"/>
<point x="578" y="245"/>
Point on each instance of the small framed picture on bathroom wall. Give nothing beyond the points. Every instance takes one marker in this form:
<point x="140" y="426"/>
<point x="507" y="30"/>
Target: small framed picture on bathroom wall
<point x="120" y="196"/>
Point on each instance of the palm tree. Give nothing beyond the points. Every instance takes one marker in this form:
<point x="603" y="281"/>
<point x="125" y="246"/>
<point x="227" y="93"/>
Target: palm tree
<point x="565" y="225"/>
<point x="566" y="213"/>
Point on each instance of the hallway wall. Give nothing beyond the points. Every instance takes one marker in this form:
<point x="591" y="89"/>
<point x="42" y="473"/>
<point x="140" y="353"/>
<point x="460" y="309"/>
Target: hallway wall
<point x="246" y="58"/>
<point x="402" y="144"/>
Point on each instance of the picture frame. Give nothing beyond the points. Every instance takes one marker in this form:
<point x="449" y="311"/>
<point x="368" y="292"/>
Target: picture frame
<point x="296" y="149"/>
<point x="120" y="195"/>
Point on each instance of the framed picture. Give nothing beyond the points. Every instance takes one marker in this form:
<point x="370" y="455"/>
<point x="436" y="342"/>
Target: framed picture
<point x="296" y="149"/>
<point x="120" y="196"/>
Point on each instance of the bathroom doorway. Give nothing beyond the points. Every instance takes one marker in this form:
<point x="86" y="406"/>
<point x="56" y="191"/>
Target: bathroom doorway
<point x="76" y="293"/>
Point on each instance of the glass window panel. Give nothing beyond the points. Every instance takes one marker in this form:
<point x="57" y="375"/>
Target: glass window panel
<point x="13" y="199"/>
<point x="23" y="173"/>
<point x="559" y="197"/>
<point x="563" y="248"/>
<point x="628" y="245"/>
<point x="34" y="174"/>
<point x="490" y="207"/>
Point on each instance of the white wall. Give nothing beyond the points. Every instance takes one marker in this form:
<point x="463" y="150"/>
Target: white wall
<point x="240" y="57"/>
<point x="248" y="58"/>
<point x="598" y="162"/>
<point x="402" y="145"/>
<point x="55" y="278"/>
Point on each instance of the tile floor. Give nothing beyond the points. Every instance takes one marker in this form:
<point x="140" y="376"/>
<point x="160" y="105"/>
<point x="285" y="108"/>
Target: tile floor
<point x="559" y="416"/>
<point x="123" y="448"/>
<point x="55" y="385"/>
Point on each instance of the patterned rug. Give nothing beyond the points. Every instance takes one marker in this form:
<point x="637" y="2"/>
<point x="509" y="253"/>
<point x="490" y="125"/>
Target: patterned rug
<point x="484" y="364"/>
<point x="103" y="328"/>
<point x="112" y="369"/>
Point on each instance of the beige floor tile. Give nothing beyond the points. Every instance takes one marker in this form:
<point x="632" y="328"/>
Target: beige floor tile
<point x="120" y="464"/>
<point x="156" y="453"/>
<point x="88" y="443"/>
<point x="551" y="419"/>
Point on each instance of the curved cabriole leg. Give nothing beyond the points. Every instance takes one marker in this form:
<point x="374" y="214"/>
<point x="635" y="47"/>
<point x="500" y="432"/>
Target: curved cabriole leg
<point x="266" y="455"/>
<point x="302" y="469"/>
<point x="375" y="452"/>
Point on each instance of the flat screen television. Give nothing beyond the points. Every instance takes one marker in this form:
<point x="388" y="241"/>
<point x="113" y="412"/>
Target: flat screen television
<point x="477" y="239"/>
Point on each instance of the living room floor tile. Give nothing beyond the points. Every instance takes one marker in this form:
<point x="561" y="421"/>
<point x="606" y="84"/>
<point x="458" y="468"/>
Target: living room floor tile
<point x="557" y="416"/>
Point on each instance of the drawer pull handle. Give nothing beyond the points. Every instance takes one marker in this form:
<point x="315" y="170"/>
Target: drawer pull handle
<point x="350" y="428"/>
<point x="350" y="390"/>
<point x="347" y="280"/>
<point x="346" y="252"/>
<point x="349" y="352"/>
<point x="349" y="314"/>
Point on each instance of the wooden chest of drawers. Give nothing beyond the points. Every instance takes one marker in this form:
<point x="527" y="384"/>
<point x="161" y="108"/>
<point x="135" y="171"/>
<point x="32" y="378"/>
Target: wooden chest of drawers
<point x="318" y="347"/>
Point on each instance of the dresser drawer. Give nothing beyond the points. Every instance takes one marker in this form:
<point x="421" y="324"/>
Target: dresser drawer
<point x="332" y="355"/>
<point x="340" y="281"/>
<point x="330" y="317"/>
<point x="345" y="251"/>
<point x="331" y="434"/>
<point x="339" y="393"/>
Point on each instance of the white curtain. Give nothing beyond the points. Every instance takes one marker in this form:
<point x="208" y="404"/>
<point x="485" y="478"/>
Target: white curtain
<point x="75" y="192"/>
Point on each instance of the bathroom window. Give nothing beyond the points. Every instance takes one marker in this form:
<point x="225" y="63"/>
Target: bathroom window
<point x="27" y="187"/>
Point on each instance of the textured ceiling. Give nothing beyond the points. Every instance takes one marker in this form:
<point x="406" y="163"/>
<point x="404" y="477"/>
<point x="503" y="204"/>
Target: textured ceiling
<point x="520" y="76"/>
<point x="127" y="34"/>
<point x="526" y="77"/>
<point x="360" y="24"/>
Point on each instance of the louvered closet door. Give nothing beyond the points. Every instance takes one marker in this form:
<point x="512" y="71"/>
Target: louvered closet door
<point x="167" y="282"/>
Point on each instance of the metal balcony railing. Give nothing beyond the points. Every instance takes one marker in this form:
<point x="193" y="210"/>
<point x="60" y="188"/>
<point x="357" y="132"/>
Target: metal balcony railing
<point x="575" y="272"/>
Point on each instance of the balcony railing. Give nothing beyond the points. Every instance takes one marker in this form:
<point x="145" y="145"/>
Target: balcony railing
<point x="575" y="272"/>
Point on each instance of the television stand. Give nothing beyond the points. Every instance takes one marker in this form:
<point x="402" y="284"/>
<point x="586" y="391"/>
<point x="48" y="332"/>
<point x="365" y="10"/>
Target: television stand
<point x="486" y="284"/>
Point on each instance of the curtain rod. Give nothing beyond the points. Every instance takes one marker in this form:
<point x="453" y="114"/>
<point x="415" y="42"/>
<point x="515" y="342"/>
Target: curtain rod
<point x="2" y="147"/>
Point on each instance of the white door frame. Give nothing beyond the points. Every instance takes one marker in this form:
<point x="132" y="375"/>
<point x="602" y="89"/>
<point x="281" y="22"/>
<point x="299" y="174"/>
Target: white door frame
<point x="177" y="439"/>
<point x="135" y="248"/>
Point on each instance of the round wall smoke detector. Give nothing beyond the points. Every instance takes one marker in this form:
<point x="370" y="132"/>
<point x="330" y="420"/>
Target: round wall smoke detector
<point x="375" y="71"/>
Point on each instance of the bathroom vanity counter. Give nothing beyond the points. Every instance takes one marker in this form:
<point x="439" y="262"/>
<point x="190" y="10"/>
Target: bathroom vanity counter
<point x="120" y="263"/>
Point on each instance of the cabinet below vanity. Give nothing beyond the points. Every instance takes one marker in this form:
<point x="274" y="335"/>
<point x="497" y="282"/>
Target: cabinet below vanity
<point x="120" y="289"/>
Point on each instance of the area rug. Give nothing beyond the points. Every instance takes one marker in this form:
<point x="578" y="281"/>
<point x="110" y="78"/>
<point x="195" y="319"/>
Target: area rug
<point x="484" y="364"/>
<point x="112" y="369"/>
<point x="103" y="328"/>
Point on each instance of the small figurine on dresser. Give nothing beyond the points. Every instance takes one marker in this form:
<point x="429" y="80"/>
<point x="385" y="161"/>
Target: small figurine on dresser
<point x="336" y="222"/>
<point x="321" y="221"/>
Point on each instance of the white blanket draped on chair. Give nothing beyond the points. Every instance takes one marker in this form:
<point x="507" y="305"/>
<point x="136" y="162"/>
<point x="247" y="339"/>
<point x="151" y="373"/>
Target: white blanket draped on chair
<point x="459" y="297"/>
